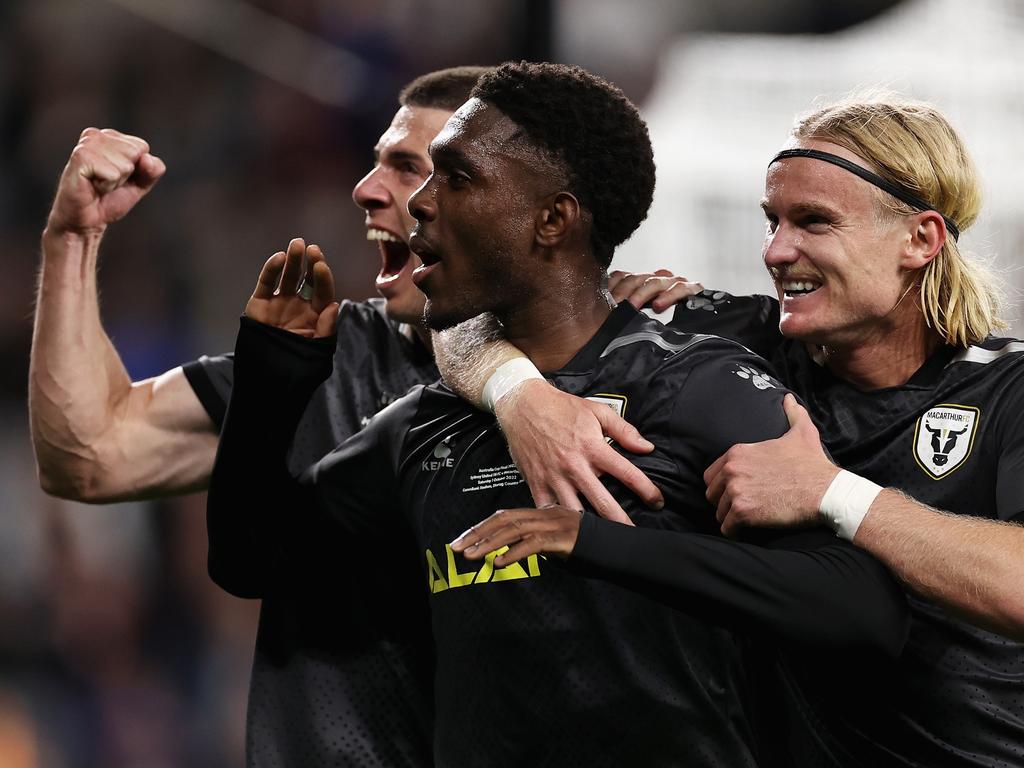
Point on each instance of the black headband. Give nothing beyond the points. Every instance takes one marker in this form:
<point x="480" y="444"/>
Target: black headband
<point x="897" y="191"/>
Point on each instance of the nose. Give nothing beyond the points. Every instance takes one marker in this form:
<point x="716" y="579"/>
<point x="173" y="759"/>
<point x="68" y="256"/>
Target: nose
<point x="371" y="193"/>
<point x="422" y="203"/>
<point x="781" y="247"/>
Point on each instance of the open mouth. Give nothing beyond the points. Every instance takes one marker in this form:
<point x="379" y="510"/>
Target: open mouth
<point x="794" y="289"/>
<point x="394" y="253"/>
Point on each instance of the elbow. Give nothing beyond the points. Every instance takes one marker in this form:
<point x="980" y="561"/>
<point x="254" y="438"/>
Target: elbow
<point x="72" y="481"/>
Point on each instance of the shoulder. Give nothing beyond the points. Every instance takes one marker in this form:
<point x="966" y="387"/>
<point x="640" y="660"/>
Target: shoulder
<point x="751" y="320"/>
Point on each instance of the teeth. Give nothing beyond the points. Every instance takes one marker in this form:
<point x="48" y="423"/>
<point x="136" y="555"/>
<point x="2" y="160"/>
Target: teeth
<point x="380" y="234"/>
<point x="794" y="286"/>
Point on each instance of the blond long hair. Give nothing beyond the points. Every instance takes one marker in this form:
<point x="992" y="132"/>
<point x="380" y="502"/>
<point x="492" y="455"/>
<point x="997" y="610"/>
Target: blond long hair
<point x="912" y="144"/>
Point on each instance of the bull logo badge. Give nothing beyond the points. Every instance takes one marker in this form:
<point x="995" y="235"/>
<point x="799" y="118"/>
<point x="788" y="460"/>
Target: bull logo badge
<point x="944" y="437"/>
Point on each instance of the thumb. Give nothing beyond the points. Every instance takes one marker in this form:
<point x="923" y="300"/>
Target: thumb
<point x="621" y="431"/>
<point x="799" y="419"/>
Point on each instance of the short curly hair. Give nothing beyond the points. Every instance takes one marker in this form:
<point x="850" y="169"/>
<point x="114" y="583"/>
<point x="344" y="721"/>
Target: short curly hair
<point x="443" y="88"/>
<point x="589" y="125"/>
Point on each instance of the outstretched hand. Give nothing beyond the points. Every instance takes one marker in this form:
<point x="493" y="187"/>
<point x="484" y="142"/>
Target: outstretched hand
<point x="774" y="484"/>
<point x="295" y="297"/>
<point x="658" y="290"/>
<point x="558" y="442"/>
<point x="551" y="530"/>
<point x="107" y="174"/>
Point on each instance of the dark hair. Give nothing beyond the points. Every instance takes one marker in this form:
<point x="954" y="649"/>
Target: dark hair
<point x="591" y="127"/>
<point x="443" y="89"/>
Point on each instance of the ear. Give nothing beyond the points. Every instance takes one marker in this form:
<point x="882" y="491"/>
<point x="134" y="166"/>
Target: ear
<point x="557" y="219"/>
<point x="927" y="236"/>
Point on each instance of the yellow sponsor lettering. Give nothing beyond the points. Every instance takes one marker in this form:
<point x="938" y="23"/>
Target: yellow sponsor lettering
<point x="452" y="577"/>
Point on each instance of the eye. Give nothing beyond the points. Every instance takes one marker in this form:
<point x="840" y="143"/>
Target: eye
<point x="458" y="180"/>
<point x="772" y="222"/>
<point x="815" y="223"/>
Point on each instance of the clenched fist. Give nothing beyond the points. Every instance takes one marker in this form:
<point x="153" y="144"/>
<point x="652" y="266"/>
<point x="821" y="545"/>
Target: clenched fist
<point x="107" y="174"/>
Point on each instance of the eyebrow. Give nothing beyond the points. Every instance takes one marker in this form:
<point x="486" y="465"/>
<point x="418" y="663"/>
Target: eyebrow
<point x="803" y="209"/>
<point x="447" y="155"/>
<point x="401" y="155"/>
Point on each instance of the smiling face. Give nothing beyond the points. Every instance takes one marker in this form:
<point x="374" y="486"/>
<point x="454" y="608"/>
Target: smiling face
<point x="836" y="260"/>
<point x="476" y="217"/>
<point x="402" y="164"/>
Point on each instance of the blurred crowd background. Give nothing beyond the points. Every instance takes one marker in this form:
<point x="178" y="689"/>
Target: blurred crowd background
<point x="115" y="649"/>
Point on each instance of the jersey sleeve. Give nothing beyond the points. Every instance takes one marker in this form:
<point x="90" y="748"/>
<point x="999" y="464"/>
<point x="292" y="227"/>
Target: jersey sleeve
<point x="806" y="588"/>
<point x="211" y="377"/>
<point x="753" y="321"/>
<point x="258" y="514"/>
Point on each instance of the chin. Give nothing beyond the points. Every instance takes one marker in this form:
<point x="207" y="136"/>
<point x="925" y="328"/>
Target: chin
<point x="410" y="312"/>
<point x="437" y="318"/>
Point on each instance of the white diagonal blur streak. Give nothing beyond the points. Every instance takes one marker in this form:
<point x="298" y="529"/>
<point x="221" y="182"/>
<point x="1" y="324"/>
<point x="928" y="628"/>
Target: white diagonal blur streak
<point x="263" y="42"/>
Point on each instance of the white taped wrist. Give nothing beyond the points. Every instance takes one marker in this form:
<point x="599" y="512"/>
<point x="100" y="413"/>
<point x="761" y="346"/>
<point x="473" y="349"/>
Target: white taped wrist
<point x="508" y="376"/>
<point x="846" y="502"/>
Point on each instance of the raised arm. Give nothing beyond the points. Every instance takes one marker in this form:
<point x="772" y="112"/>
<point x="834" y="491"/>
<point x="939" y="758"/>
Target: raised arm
<point x="972" y="566"/>
<point x="97" y="435"/>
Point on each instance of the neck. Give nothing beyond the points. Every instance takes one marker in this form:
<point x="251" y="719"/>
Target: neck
<point x="885" y="360"/>
<point x="551" y="328"/>
<point x="419" y="331"/>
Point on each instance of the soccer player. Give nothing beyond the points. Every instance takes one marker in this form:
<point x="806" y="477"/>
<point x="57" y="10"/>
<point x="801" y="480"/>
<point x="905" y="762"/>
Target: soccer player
<point x="886" y="335"/>
<point x="325" y="690"/>
<point x="536" y="180"/>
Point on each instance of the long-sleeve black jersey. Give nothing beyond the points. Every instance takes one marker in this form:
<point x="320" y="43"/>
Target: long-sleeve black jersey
<point x="535" y="663"/>
<point x="341" y="676"/>
<point x="951" y="437"/>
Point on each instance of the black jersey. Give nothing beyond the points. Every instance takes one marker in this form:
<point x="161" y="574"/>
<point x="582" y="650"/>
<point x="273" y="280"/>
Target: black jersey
<point x="951" y="437"/>
<point x="537" y="665"/>
<point x="345" y="682"/>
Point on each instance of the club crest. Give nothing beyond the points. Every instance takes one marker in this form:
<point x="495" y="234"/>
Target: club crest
<point x="944" y="437"/>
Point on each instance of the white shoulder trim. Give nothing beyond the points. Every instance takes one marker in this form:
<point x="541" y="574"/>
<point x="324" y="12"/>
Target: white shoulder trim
<point x="985" y="356"/>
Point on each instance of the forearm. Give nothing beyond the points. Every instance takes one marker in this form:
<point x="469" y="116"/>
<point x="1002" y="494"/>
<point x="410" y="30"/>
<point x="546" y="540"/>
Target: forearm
<point x="828" y="596"/>
<point x="468" y="354"/>
<point x="97" y="436"/>
<point x="256" y="510"/>
<point x="973" y="567"/>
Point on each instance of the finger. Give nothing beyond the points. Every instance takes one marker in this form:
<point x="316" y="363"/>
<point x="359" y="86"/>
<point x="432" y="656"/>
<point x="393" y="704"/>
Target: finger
<point x="714" y="479"/>
<point x="614" y="277"/>
<point x="674" y="294"/>
<point x="799" y="419"/>
<point x="621" y="431"/>
<point x="603" y="502"/>
<point x="723" y="508"/>
<point x="148" y="171"/>
<point x="617" y="466"/>
<point x="651" y="288"/>
<point x="292" y="267"/>
<point x="483" y="529"/>
<point x="730" y="525"/>
<point x="102" y="172"/>
<point x="323" y="285"/>
<point x="327" y="322"/>
<point x="520" y="550"/>
<point x="627" y="285"/>
<point x="667" y="273"/>
<point x="266" y="283"/>
<point x="565" y="494"/>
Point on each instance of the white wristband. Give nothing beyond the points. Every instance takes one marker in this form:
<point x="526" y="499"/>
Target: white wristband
<point x="508" y="375"/>
<point x="846" y="502"/>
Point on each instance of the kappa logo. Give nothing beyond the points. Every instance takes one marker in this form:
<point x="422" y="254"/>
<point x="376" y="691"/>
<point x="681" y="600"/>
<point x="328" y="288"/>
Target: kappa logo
<point x="757" y="378"/>
<point x="944" y="437"/>
<point x="441" y="457"/>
